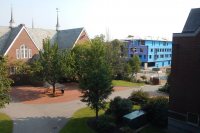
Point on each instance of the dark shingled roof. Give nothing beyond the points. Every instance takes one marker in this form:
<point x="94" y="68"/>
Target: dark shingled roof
<point x="193" y="21"/>
<point x="64" y="38"/>
<point x="67" y="38"/>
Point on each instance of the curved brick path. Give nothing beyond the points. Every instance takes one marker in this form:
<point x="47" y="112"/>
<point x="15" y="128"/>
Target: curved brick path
<point x="50" y="117"/>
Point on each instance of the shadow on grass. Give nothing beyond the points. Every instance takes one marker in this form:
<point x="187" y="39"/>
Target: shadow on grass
<point x="39" y="124"/>
<point x="6" y="124"/>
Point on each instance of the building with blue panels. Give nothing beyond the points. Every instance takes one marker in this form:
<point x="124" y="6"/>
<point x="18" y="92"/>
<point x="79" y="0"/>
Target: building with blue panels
<point x="152" y="53"/>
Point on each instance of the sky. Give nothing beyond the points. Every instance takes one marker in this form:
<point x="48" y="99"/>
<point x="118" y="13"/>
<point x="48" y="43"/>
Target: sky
<point x="117" y="18"/>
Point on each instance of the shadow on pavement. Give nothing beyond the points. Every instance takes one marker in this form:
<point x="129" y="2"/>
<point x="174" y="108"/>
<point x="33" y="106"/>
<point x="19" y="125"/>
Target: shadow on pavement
<point x="39" y="124"/>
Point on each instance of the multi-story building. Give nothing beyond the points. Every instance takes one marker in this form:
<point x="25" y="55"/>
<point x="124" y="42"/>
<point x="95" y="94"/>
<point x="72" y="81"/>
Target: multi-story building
<point x="152" y="53"/>
<point x="184" y="98"/>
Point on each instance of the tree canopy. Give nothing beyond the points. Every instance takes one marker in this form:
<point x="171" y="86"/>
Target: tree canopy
<point x="4" y="83"/>
<point x="50" y="60"/>
<point x="95" y="76"/>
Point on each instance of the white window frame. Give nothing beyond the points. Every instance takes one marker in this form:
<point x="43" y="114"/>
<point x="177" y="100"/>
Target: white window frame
<point x="23" y="52"/>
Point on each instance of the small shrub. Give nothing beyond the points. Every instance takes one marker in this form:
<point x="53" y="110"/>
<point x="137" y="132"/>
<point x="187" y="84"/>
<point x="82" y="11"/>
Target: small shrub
<point x="165" y="88"/>
<point x="105" y="124"/>
<point x="119" y="107"/>
<point x="157" y="111"/>
<point x="139" y="97"/>
<point x="143" y="77"/>
<point x="139" y="81"/>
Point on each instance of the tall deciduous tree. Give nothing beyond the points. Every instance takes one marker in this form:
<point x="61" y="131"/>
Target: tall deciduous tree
<point x="116" y="58"/>
<point x="4" y="83"/>
<point x="50" y="60"/>
<point x="135" y="64"/>
<point x="95" y="76"/>
<point x="68" y="64"/>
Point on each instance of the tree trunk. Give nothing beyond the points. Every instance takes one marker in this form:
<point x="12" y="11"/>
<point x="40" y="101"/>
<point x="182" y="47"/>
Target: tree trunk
<point x="54" y="89"/>
<point x="97" y="114"/>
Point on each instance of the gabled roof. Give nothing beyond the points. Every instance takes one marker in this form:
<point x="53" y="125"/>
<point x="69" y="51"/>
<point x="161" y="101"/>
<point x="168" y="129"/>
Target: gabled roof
<point x="67" y="38"/>
<point x="4" y="34"/>
<point x="64" y="38"/>
<point x="7" y="36"/>
<point x="193" y="21"/>
<point x="39" y="34"/>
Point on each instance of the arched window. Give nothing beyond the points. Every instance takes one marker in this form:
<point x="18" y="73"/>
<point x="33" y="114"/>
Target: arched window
<point x="23" y="52"/>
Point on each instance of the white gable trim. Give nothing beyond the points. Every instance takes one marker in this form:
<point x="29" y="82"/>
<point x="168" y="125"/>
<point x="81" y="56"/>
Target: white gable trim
<point x="80" y="36"/>
<point x="13" y="41"/>
<point x="23" y="28"/>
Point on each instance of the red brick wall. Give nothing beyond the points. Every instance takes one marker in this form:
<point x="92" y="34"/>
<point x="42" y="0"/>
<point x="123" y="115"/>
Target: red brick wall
<point x="185" y="85"/>
<point x="23" y="38"/>
<point x="83" y="38"/>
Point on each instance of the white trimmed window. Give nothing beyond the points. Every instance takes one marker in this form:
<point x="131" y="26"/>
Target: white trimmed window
<point x="23" y="52"/>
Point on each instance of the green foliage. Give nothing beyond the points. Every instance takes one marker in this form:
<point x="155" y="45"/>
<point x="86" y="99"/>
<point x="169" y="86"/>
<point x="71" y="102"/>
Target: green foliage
<point x="68" y="65"/>
<point x="24" y="73"/>
<point x="105" y="124"/>
<point x="79" y="52"/>
<point x="50" y="60"/>
<point x="6" y="124"/>
<point x="100" y="37"/>
<point x="37" y="70"/>
<point x="4" y="83"/>
<point x="139" y="97"/>
<point x="135" y="64"/>
<point x="167" y="86"/>
<point x="95" y="76"/>
<point x="157" y="111"/>
<point x="115" y="56"/>
<point x="119" y="107"/>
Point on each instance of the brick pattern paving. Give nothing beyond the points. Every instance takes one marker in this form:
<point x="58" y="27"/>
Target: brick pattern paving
<point x="41" y="95"/>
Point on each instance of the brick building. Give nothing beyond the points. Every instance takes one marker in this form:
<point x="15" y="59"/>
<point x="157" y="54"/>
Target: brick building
<point x="22" y="43"/>
<point x="184" y="113"/>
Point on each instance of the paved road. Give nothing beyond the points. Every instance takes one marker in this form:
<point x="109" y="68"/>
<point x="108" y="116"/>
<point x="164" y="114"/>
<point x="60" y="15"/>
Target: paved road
<point x="50" y="118"/>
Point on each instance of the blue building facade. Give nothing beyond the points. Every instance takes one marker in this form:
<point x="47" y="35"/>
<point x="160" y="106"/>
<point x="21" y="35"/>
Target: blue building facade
<point x="152" y="53"/>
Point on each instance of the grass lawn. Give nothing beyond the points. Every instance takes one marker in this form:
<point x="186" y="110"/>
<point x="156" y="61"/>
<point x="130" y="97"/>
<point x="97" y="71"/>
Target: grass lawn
<point x="125" y="83"/>
<point x="6" y="124"/>
<point x="78" y="122"/>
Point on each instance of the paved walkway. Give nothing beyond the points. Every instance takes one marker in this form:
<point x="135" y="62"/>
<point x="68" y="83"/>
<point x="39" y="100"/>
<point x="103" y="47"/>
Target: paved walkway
<point x="50" y="118"/>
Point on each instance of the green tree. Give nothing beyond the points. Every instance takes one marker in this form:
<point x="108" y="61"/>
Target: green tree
<point x="50" y="60"/>
<point x="115" y="56"/>
<point x="95" y="76"/>
<point x="100" y="37"/>
<point x="68" y="65"/>
<point x="135" y="64"/>
<point x="4" y="83"/>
